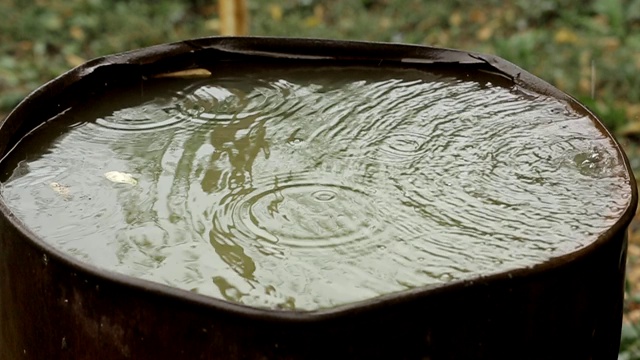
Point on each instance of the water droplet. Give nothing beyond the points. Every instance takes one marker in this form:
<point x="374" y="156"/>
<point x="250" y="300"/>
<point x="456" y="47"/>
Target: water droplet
<point x="557" y="110"/>
<point x="397" y="147"/>
<point x="595" y="163"/>
<point x="404" y="145"/>
<point x="324" y="195"/>
<point x="294" y="141"/>
<point x="587" y="164"/>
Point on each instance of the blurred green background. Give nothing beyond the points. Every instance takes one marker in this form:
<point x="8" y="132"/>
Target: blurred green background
<point x="588" y="48"/>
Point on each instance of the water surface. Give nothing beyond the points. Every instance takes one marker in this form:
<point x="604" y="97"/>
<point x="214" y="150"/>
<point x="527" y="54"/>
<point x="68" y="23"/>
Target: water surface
<point x="311" y="188"/>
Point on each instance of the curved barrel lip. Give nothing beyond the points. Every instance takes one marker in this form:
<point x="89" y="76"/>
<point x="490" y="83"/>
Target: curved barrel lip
<point x="50" y="100"/>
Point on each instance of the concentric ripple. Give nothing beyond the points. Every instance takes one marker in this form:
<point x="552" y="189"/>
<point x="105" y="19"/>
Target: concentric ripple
<point x="229" y="100"/>
<point x="397" y="147"/>
<point x="153" y="115"/>
<point x="311" y="188"/>
<point x="202" y="102"/>
<point x="311" y="216"/>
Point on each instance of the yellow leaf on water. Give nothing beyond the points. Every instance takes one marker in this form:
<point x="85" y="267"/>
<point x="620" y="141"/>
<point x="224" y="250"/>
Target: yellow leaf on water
<point x="565" y="36"/>
<point x="275" y="11"/>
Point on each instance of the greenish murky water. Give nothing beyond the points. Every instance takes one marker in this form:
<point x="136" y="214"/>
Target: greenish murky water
<point x="306" y="189"/>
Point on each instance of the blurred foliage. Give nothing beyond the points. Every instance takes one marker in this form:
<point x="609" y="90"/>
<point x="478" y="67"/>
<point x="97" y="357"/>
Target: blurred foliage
<point x="630" y="342"/>
<point x="588" y="48"/>
<point x="630" y="334"/>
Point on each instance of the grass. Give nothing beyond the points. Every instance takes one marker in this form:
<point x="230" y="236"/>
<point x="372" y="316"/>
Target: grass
<point x="41" y="39"/>
<point x="588" y="48"/>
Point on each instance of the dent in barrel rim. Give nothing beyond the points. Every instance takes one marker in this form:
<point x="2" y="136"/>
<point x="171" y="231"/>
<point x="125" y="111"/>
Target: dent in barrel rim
<point x="52" y="304"/>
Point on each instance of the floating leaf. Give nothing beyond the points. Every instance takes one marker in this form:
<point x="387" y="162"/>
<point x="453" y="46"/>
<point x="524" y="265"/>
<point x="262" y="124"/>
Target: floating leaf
<point x="189" y="73"/>
<point x="62" y="190"/>
<point x="120" y="177"/>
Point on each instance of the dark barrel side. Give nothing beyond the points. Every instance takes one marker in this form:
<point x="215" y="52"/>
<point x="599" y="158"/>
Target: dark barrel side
<point x="54" y="307"/>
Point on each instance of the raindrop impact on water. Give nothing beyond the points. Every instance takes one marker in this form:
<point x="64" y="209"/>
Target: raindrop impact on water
<point x="306" y="189"/>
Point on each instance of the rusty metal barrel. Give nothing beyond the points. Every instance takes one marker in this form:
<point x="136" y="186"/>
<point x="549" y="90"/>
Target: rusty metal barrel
<point x="55" y="306"/>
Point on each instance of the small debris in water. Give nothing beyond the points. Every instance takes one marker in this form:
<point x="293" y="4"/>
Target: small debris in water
<point x="62" y="190"/>
<point x="189" y="74"/>
<point x="120" y="177"/>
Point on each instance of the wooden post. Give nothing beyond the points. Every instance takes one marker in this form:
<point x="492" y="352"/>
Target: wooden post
<point x="234" y="17"/>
